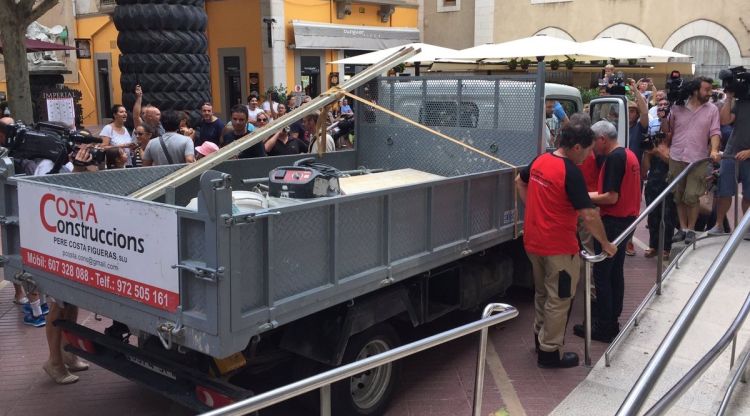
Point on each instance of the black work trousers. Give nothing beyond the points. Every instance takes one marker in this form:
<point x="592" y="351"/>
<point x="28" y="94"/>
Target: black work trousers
<point x="609" y="276"/>
<point x="654" y="187"/>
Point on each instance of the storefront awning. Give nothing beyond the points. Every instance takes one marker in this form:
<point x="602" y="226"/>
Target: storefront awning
<point x="311" y="35"/>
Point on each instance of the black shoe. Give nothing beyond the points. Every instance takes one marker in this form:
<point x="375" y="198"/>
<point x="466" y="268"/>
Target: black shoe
<point x="678" y="236"/>
<point x="598" y="333"/>
<point x="552" y="359"/>
<point x="689" y="237"/>
<point x="536" y="342"/>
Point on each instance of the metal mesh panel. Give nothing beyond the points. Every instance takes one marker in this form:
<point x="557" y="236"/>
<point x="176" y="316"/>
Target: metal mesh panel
<point x="249" y="264"/>
<point x="482" y="204"/>
<point x="448" y="212"/>
<point x="360" y="244"/>
<point x="494" y="115"/>
<point x="116" y="182"/>
<point x="408" y="223"/>
<point x="193" y="248"/>
<point x="300" y="251"/>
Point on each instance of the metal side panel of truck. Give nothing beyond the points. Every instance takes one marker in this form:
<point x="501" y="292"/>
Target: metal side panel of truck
<point x="212" y="278"/>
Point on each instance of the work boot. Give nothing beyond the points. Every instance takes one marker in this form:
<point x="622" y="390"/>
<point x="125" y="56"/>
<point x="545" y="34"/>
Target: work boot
<point x="553" y="360"/>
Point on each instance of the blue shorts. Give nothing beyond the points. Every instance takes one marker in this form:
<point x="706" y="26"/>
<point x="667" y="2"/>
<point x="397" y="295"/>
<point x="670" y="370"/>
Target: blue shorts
<point x="727" y="184"/>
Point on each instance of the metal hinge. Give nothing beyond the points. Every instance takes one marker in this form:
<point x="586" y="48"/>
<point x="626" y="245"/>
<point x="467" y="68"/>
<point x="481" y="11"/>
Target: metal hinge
<point x="249" y="218"/>
<point x="169" y="332"/>
<point x="201" y="272"/>
<point x="8" y="220"/>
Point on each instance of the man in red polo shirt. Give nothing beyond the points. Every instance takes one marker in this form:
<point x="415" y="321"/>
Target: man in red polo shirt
<point x="619" y="199"/>
<point x="554" y="191"/>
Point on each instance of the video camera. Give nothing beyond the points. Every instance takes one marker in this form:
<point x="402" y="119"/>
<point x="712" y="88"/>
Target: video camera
<point x="46" y="140"/>
<point x="735" y="80"/>
<point x="676" y="91"/>
<point x="616" y="84"/>
<point x="652" y="140"/>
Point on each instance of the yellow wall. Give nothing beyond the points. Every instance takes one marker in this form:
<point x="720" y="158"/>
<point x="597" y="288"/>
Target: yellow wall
<point x="324" y="11"/>
<point x="233" y="24"/>
<point x="103" y="34"/>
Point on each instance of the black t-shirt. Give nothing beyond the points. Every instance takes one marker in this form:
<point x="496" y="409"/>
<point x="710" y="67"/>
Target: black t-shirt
<point x="291" y="147"/>
<point x="255" y="151"/>
<point x="614" y="170"/>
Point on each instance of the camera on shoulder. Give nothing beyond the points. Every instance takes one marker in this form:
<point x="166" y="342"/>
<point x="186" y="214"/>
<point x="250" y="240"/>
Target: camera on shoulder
<point x="46" y="140"/>
<point x="735" y="80"/>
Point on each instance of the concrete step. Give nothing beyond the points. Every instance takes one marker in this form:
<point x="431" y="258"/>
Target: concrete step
<point x="604" y="389"/>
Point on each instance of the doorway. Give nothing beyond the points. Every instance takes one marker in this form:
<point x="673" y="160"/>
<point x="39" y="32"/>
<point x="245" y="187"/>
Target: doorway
<point x="103" y="70"/>
<point x="232" y="69"/>
<point x="310" y="75"/>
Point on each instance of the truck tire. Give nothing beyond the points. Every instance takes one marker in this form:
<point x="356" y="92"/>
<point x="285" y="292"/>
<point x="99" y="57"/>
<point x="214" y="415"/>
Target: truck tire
<point x="368" y="393"/>
<point x="161" y="41"/>
<point x="165" y="82"/>
<point x="177" y="100"/>
<point x="141" y="63"/>
<point x="160" y="16"/>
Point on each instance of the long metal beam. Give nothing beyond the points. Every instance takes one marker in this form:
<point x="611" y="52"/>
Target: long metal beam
<point x="192" y="170"/>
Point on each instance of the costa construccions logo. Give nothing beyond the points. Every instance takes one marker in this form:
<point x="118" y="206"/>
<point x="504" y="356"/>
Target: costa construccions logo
<point x="76" y="218"/>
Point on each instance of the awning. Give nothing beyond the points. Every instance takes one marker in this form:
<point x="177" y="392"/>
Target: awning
<point x="312" y="35"/>
<point x="33" y="45"/>
<point x="427" y="55"/>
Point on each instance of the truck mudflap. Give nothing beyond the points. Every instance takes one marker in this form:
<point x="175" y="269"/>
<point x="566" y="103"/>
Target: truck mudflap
<point x="176" y="381"/>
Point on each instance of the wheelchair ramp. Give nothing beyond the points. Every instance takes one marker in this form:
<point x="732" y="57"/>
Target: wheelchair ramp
<point x="605" y="388"/>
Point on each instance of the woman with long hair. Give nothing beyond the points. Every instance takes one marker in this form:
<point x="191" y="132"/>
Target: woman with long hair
<point x="115" y="134"/>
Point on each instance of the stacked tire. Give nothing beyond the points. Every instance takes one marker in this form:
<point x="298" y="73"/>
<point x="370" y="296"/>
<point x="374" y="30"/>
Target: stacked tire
<point x="163" y="45"/>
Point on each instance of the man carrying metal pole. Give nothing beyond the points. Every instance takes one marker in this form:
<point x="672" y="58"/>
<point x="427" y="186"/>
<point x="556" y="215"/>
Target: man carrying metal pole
<point x="554" y="191"/>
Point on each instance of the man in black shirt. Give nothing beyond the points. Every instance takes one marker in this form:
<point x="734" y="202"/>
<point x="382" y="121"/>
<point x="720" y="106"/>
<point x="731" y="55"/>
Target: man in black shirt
<point x="282" y="143"/>
<point x="239" y="129"/>
<point x="210" y="126"/>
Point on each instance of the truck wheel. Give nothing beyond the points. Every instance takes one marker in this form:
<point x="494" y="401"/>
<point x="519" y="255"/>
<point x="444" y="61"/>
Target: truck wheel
<point x="368" y="393"/>
<point x="165" y="82"/>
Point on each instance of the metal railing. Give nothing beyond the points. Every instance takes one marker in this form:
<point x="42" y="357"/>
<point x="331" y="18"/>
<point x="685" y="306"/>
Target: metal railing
<point x="739" y="374"/>
<point x="670" y="397"/>
<point x="323" y="381"/>
<point x="650" y="375"/>
<point x="589" y="259"/>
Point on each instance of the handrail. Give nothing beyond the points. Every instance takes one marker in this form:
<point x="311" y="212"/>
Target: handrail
<point x="739" y="372"/>
<point x="263" y="400"/>
<point x="595" y="258"/>
<point x="638" y="394"/>
<point x="663" y="404"/>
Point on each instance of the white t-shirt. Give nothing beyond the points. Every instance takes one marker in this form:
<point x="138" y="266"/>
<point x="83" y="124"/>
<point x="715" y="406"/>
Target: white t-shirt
<point x="253" y="114"/>
<point x="330" y="145"/>
<point x="43" y="166"/>
<point x="118" y="138"/>
<point x="267" y="107"/>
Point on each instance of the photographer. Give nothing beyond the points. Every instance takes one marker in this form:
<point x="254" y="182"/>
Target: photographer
<point x="655" y="167"/>
<point x="739" y="147"/>
<point x="689" y="129"/>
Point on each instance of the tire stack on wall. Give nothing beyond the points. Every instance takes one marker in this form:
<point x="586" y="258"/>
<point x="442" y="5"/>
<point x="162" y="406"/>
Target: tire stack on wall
<point x="163" y="45"/>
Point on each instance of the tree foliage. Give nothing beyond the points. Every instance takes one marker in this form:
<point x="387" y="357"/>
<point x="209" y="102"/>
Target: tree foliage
<point x="15" y="17"/>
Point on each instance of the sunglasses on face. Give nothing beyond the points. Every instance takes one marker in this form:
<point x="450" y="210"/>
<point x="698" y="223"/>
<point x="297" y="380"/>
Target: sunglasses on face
<point x="262" y="120"/>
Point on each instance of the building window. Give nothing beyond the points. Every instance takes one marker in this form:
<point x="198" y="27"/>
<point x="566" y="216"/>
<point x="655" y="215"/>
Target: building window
<point x="549" y="1"/>
<point x="448" y="5"/>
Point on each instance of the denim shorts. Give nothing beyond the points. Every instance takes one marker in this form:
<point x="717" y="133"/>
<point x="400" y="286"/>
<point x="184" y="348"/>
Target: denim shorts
<point x="727" y="184"/>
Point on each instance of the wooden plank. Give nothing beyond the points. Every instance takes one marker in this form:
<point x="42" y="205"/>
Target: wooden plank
<point x="384" y="180"/>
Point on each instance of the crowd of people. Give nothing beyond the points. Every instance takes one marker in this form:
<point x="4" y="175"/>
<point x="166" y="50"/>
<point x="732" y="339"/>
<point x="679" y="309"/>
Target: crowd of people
<point x="168" y="138"/>
<point x="589" y="190"/>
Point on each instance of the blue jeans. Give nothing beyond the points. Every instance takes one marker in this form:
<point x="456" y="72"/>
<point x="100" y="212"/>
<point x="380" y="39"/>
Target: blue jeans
<point x="727" y="184"/>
